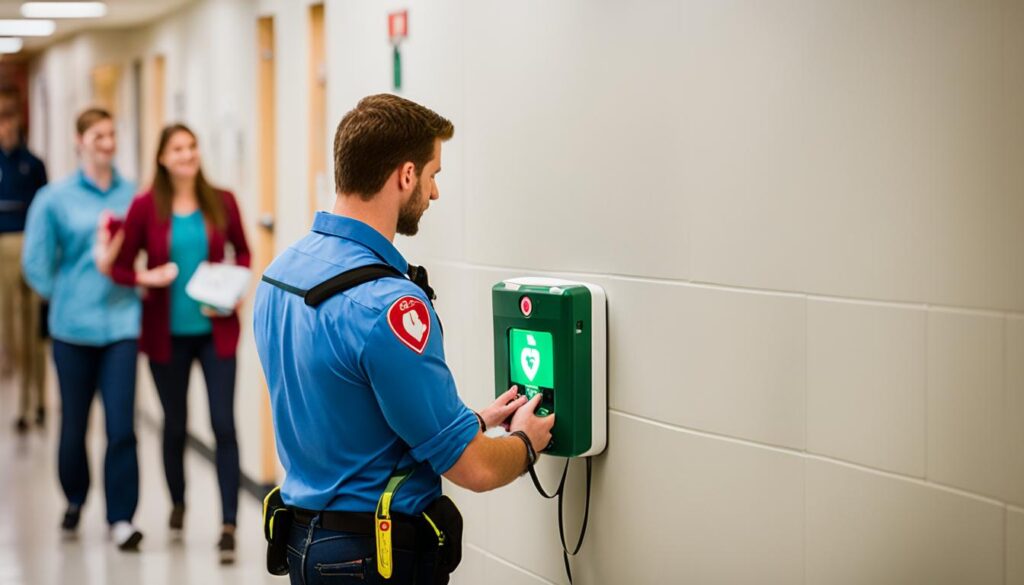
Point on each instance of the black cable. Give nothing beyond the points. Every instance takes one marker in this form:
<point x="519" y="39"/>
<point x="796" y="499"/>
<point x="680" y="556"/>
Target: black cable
<point x="540" y="488"/>
<point x="560" y="493"/>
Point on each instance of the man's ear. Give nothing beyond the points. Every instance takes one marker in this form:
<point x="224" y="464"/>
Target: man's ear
<point x="407" y="176"/>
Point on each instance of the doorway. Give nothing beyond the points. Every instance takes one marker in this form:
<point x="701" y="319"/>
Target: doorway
<point x="319" y="190"/>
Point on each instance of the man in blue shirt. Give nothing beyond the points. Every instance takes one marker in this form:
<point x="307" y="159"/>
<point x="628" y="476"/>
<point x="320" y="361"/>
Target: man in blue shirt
<point x="21" y="176"/>
<point x="358" y="382"/>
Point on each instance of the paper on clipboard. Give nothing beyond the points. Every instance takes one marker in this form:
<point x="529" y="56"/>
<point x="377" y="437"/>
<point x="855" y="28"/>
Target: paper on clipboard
<point x="221" y="286"/>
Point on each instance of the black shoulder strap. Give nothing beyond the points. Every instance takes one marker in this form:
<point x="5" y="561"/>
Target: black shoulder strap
<point x="338" y="284"/>
<point x="351" y="279"/>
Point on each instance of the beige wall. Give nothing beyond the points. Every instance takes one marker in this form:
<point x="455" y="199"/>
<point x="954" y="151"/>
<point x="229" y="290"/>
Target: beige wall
<point x="808" y="217"/>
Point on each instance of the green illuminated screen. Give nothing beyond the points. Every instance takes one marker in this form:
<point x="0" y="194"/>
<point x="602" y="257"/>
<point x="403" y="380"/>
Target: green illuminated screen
<point x="532" y="358"/>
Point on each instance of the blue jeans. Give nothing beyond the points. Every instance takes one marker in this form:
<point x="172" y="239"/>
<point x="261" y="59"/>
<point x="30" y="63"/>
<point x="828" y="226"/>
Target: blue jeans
<point x="328" y="557"/>
<point x="171" y="380"/>
<point x="81" y="369"/>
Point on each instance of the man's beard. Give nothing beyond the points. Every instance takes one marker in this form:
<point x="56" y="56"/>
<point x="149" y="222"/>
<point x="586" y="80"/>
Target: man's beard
<point x="410" y="213"/>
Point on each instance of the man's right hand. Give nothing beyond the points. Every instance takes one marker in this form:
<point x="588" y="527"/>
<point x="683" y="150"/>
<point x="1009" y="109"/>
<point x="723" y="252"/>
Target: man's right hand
<point x="537" y="428"/>
<point x="488" y="463"/>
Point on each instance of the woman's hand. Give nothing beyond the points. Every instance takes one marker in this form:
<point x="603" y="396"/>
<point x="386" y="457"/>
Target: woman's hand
<point x="159" y="277"/>
<point x="502" y="408"/>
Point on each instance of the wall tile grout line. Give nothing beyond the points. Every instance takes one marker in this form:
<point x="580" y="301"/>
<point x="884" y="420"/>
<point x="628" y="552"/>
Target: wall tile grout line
<point x="509" y="564"/>
<point x="816" y="457"/>
<point x="709" y="434"/>
<point x="904" y="304"/>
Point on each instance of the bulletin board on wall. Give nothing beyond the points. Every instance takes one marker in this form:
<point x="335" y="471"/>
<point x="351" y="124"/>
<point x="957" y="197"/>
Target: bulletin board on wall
<point x="105" y="82"/>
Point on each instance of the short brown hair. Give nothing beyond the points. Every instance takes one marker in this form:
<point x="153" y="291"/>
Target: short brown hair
<point x="89" y="118"/>
<point x="383" y="132"/>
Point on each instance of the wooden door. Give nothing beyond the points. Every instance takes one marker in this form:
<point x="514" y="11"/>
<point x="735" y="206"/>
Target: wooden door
<point x="267" y="156"/>
<point x="153" y="115"/>
<point x="105" y="82"/>
<point x="319" y="185"/>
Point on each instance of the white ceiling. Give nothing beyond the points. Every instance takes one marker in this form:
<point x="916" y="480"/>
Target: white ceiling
<point x="120" y="14"/>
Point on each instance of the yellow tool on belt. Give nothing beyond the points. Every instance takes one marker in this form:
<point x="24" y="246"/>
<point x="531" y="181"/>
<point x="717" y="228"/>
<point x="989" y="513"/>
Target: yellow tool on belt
<point x="383" y="523"/>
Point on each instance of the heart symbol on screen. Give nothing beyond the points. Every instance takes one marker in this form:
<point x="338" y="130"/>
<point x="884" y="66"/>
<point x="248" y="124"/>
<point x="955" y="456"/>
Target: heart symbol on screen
<point x="530" y="360"/>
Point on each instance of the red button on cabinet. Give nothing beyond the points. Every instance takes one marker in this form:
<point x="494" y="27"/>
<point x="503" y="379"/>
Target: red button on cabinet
<point x="526" y="306"/>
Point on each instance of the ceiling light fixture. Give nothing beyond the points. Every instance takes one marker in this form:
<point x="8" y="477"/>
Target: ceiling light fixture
<point x="27" y="28"/>
<point x="64" y="9"/>
<point x="10" y="45"/>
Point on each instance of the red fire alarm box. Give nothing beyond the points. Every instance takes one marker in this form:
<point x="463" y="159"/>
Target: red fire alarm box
<point x="398" y="25"/>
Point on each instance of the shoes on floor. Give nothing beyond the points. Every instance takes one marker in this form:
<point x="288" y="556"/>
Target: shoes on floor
<point x="125" y="535"/>
<point x="177" y="521"/>
<point x="71" y="518"/>
<point x="21" y="425"/>
<point x="226" y="547"/>
<point x="41" y="417"/>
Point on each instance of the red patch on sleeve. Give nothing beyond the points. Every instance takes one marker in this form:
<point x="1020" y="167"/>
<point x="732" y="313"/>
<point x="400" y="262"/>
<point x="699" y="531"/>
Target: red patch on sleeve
<point x="410" y="322"/>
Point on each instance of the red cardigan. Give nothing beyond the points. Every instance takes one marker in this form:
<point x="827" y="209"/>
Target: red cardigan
<point x="144" y="230"/>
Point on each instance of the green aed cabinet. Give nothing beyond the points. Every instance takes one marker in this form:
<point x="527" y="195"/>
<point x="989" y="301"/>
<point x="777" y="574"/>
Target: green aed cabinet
<point x="550" y="338"/>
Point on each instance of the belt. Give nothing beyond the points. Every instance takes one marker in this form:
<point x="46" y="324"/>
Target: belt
<point x="409" y="533"/>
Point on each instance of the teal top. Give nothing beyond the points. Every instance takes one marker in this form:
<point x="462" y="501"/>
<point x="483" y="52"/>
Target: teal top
<point x="86" y="307"/>
<point x="189" y="248"/>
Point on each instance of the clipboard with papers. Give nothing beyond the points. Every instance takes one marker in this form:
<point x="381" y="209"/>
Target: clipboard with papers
<point x="219" y="286"/>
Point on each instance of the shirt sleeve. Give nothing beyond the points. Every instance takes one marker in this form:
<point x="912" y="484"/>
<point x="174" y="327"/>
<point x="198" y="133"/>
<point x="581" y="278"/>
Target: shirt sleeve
<point x="39" y="254"/>
<point x="134" y="228"/>
<point x="236" y="231"/>
<point x="417" y="394"/>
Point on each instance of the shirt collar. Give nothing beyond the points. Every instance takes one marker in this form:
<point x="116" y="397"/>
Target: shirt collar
<point x="339" y="226"/>
<point x="115" y="182"/>
<point x="14" y="152"/>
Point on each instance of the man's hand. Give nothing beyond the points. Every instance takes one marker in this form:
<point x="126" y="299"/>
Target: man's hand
<point x="488" y="463"/>
<point x="502" y="408"/>
<point x="538" y="428"/>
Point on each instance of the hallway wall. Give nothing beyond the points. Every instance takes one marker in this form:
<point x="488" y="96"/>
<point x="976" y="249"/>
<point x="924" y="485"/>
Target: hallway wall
<point x="808" y="218"/>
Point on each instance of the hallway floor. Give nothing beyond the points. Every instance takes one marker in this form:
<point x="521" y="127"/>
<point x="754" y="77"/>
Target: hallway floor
<point x="33" y="552"/>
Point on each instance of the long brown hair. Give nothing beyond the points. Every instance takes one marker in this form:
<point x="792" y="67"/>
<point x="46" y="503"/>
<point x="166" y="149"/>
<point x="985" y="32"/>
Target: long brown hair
<point x="210" y="201"/>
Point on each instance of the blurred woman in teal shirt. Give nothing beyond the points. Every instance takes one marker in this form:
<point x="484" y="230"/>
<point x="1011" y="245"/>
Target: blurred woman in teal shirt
<point x="94" y="323"/>
<point x="184" y="221"/>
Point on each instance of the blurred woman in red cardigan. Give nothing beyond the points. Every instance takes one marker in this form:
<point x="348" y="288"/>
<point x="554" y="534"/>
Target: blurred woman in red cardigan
<point x="181" y="222"/>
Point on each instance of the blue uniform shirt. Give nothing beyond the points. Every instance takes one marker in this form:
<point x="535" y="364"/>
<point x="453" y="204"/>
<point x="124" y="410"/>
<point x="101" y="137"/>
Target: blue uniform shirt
<point x="21" y="175"/>
<point x="86" y="307"/>
<point x="359" y="384"/>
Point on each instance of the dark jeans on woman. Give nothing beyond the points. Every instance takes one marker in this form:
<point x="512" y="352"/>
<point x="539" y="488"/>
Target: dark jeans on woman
<point x="81" y="369"/>
<point x="172" y="384"/>
<point x="328" y="557"/>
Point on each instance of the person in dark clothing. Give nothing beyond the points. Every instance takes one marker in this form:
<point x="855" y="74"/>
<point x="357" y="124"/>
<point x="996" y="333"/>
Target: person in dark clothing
<point x="22" y="174"/>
